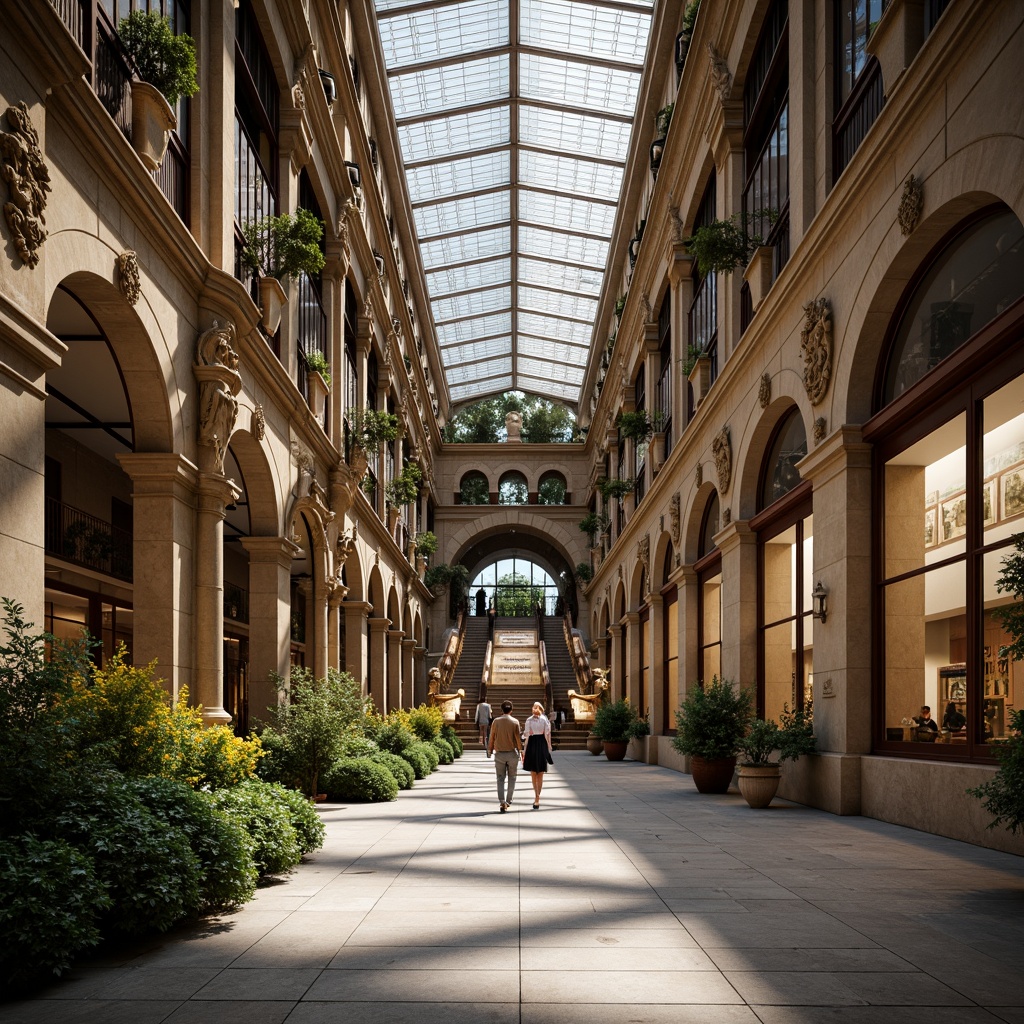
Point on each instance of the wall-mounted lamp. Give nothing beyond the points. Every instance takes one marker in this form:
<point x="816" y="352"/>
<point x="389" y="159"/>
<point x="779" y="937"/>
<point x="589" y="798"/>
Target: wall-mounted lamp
<point x="819" y="601"/>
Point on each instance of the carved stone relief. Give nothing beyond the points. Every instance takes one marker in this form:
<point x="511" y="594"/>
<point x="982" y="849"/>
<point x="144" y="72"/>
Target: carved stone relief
<point x="643" y="553"/>
<point x="820" y="429"/>
<point x="698" y="475"/>
<point x="258" y="425"/>
<point x="726" y="516"/>
<point x="674" y="510"/>
<point x="764" y="394"/>
<point x="721" y="76"/>
<point x="304" y="461"/>
<point x="722" y="451"/>
<point x="648" y="308"/>
<point x="128" y="275"/>
<point x="816" y="346"/>
<point x="216" y="369"/>
<point x="28" y="181"/>
<point x="911" y="204"/>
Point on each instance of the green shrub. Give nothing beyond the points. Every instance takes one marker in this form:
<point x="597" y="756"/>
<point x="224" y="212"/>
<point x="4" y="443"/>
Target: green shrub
<point x="358" y="745"/>
<point x="165" y="60"/>
<point x="426" y="722"/>
<point x="448" y="733"/>
<point x="417" y="759"/>
<point x="394" y="738"/>
<point x="50" y="905"/>
<point x="398" y="766"/>
<point x="429" y="753"/>
<point x="305" y="820"/>
<point x="445" y="753"/>
<point x="228" y="872"/>
<point x="262" y="810"/>
<point x="712" y="720"/>
<point x="147" y="865"/>
<point x="359" y="778"/>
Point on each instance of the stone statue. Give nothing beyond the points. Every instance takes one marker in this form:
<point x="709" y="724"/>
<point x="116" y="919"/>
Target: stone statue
<point x="216" y="369"/>
<point x="584" y="705"/>
<point x="514" y="425"/>
<point x="449" y="703"/>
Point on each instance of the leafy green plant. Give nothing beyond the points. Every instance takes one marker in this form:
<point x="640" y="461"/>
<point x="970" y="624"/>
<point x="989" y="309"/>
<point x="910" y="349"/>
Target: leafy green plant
<point x="1003" y="795"/>
<point x="316" y="362"/>
<point x="284" y="246"/>
<point x="584" y="573"/>
<point x="1011" y="616"/>
<point x="417" y="759"/>
<point x="428" y="751"/>
<point x="306" y="822"/>
<point x="360" y="779"/>
<point x="398" y="766"/>
<point x="449" y="733"/>
<point x="693" y="353"/>
<point x="373" y="428"/>
<point x="394" y="737"/>
<point x="166" y="61"/>
<point x="713" y="719"/>
<point x="426" y="543"/>
<point x="445" y="753"/>
<point x="426" y="722"/>
<point x="620" y="305"/>
<point x="262" y="809"/>
<point x="726" y="245"/>
<point x="312" y="720"/>
<point x="614" y="490"/>
<point x="594" y="523"/>
<point x="636" y="425"/>
<point x="663" y="119"/>
<point x="51" y="904"/>
<point x="405" y="486"/>
<point x="618" y="722"/>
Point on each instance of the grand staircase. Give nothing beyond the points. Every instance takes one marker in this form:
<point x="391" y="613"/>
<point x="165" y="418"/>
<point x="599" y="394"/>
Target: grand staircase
<point x="469" y="670"/>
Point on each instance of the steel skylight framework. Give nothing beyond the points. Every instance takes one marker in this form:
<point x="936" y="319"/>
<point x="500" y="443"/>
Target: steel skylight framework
<point x="514" y="119"/>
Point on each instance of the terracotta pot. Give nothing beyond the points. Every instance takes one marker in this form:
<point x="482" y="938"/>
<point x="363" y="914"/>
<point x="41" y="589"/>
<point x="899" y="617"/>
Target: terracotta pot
<point x="714" y="775"/>
<point x="320" y="798"/>
<point x="594" y="745"/>
<point x="615" y="751"/>
<point x="759" y="783"/>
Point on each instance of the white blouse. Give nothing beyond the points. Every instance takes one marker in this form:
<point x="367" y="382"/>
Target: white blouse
<point x="537" y="725"/>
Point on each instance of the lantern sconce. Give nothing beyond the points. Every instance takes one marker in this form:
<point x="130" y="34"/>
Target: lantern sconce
<point x="819" y="602"/>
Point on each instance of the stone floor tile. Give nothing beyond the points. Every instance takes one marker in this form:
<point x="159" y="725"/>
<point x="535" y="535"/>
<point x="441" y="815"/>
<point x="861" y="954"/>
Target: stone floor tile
<point x="405" y="986"/>
<point x="88" y="1011"/>
<point x="615" y="958"/>
<point x="798" y="988"/>
<point x="426" y="958"/>
<point x="627" y="987"/>
<point x="130" y="983"/>
<point x="311" y="1012"/>
<point x="874" y="1015"/>
<point x="239" y="1011"/>
<point x="259" y="983"/>
<point x="647" y="1013"/>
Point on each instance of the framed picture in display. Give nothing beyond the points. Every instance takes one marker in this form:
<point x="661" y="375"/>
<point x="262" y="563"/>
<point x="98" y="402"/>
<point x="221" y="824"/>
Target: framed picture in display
<point x="954" y="517"/>
<point x="931" y="527"/>
<point x="1011" y="485"/>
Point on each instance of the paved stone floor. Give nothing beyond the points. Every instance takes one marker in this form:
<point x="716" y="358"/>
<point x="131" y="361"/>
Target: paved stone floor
<point x="627" y="898"/>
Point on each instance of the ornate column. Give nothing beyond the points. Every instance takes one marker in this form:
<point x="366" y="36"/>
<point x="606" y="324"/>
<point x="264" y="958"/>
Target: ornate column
<point x="407" y="698"/>
<point x="335" y="596"/>
<point x="618" y="686"/>
<point x="216" y="370"/>
<point x="686" y="618"/>
<point x="163" y="513"/>
<point x="270" y="564"/>
<point x="356" y="645"/>
<point x="376" y="670"/>
<point x="632" y="689"/>
<point x="655" y="659"/>
<point x="738" y="544"/>
<point x="394" y="668"/>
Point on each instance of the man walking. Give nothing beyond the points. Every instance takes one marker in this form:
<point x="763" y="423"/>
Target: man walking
<point x="506" y="744"/>
<point x="483" y="722"/>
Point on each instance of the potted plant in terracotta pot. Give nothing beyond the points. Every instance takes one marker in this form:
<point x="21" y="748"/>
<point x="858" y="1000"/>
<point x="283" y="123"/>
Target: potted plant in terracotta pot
<point x="166" y="66"/>
<point x="710" y="723"/>
<point x="759" y="775"/>
<point x="278" y="248"/>
<point x="369" y="431"/>
<point x="616" y="723"/>
<point x="594" y="743"/>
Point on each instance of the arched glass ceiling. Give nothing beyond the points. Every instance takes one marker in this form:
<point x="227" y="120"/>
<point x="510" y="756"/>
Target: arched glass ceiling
<point x="514" y="119"/>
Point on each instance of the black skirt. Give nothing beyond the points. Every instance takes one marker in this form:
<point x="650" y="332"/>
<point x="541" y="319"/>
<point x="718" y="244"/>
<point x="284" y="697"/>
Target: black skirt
<point x="538" y="757"/>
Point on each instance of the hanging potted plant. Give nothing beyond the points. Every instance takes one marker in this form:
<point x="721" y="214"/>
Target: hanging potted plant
<point x="278" y="248"/>
<point x="725" y="245"/>
<point x="405" y="487"/>
<point x="710" y="723"/>
<point x="620" y="305"/>
<point x="636" y="425"/>
<point x="662" y="120"/>
<point x="426" y="545"/>
<point x="166" y="66"/>
<point x="369" y="431"/>
<point x="685" y="34"/>
<point x="759" y="775"/>
<point x="614" y="490"/>
<point x="319" y="381"/>
<point x="594" y="523"/>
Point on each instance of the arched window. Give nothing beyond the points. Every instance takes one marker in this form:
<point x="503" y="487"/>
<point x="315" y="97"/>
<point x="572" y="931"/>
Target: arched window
<point x="785" y="534"/>
<point x="709" y="595"/>
<point x="551" y="490"/>
<point x="949" y="479"/>
<point x="474" y="489"/>
<point x="513" y="490"/>
<point x="515" y="586"/>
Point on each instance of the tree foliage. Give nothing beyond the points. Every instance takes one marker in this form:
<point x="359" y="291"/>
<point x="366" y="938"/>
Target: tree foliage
<point x="544" y="421"/>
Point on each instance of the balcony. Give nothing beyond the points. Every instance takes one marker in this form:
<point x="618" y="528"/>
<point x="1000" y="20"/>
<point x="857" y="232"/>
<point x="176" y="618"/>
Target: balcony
<point x="75" y="536"/>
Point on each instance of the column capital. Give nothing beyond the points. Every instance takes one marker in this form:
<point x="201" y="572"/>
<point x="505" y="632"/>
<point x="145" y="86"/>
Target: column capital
<point x="631" y="618"/>
<point x="215" y="493"/>
<point x="736" y="534"/>
<point x="270" y="549"/>
<point x="159" y="472"/>
<point x="362" y="607"/>
<point x="655" y="600"/>
<point x="411" y="645"/>
<point x="843" y="449"/>
<point x="615" y="629"/>
<point x="397" y="634"/>
<point x="378" y="625"/>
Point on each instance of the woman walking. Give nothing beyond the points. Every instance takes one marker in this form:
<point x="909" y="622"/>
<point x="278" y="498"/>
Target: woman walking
<point x="537" y="753"/>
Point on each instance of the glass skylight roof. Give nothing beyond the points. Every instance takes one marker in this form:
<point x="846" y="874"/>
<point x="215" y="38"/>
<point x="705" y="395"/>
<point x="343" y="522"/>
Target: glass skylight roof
<point x="514" y="121"/>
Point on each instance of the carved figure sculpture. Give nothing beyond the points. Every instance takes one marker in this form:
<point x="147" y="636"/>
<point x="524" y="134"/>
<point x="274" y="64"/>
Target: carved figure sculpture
<point x="674" y="512"/>
<point x="911" y="204"/>
<point x="722" y="451"/>
<point x="216" y="369"/>
<point x="449" y="703"/>
<point x="128" y="276"/>
<point x="514" y="425"/>
<point x="584" y="705"/>
<point x="816" y="346"/>
<point x="28" y="181"/>
<point x="721" y="76"/>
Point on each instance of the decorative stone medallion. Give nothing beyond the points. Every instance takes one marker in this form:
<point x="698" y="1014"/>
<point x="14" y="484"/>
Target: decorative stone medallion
<point x="258" y="425"/>
<point x="128" y="275"/>
<point x="911" y="204"/>
<point x="820" y="429"/>
<point x="816" y="347"/>
<point x="764" y="393"/>
<point x="698" y="475"/>
<point x="673" y="511"/>
<point x="28" y="181"/>
<point x="721" y="449"/>
<point x="726" y="516"/>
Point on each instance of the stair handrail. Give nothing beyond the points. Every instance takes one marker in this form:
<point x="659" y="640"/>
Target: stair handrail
<point x="485" y="674"/>
<point x="578" y="654"/>
<point x="449" y="659"/>
<point x="545" y="676"/>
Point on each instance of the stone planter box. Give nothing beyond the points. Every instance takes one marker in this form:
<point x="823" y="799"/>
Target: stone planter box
<point x="152" y="120"/>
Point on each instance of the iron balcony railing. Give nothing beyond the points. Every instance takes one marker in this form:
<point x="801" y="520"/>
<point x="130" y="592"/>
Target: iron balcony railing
<point x="75" y="536"/>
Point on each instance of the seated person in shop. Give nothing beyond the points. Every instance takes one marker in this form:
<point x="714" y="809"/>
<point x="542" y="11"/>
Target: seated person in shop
<point x="952" y="719"/>
<point x="925" y="723"/>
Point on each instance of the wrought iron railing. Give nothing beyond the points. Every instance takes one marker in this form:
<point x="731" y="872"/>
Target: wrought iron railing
<point x="857" y="116"/>
<point x="75" y="15"/>
<point x="665" y="404"/>
<point x="78" y="537"/>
